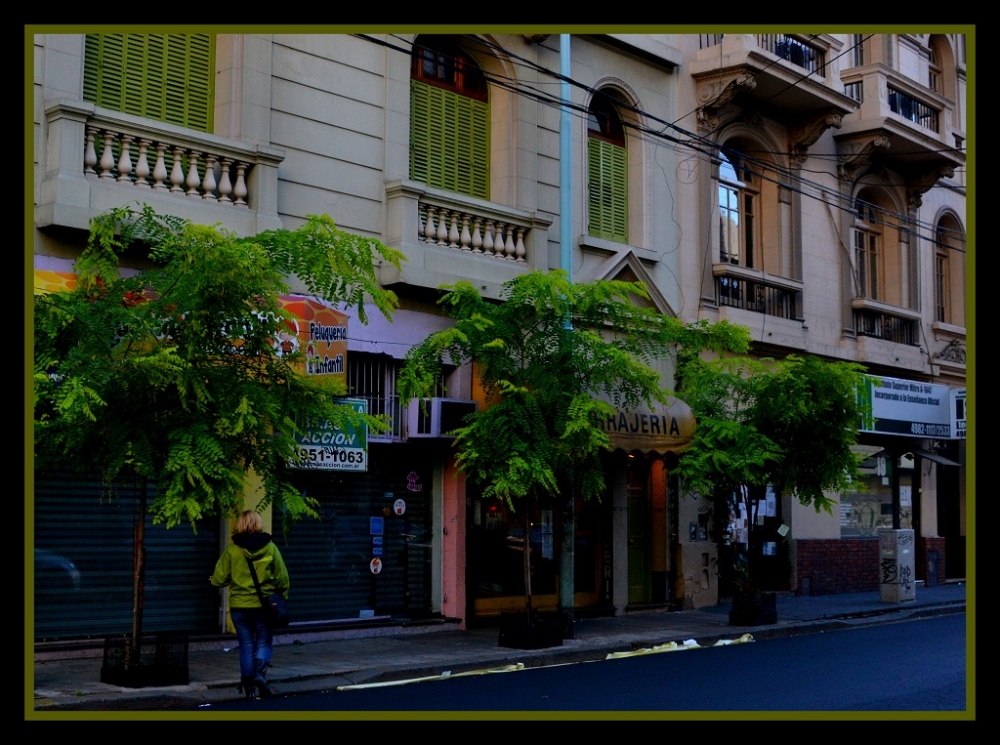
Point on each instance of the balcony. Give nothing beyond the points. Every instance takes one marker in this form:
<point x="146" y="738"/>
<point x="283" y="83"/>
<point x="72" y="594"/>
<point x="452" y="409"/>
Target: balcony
<point x="879" y="321"/>
<point x="783" y="75"/>
<point x="751" y="290"/>
<point x="448" y="237"/>
<point x="904" y="125"/>
<point x="98" y="159"/>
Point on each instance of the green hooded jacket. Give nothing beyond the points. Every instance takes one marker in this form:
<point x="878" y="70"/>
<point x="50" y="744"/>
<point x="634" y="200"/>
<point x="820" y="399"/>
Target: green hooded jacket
<point x="232" y="571"/>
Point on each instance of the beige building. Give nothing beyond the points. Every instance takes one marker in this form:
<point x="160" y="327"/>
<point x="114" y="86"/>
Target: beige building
<point x="809" y="186"/>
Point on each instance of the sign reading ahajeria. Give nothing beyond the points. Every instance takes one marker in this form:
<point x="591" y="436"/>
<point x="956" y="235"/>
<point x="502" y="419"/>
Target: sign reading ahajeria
<point x="661" y="429"/>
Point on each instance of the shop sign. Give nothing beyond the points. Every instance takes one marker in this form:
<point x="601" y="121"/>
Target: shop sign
<point x="958" y="411"/>
<point x="326" y="448"/>
<point x="661" y="429"/>
<point x="908" y="407"/>
<point x="320" y="333"/>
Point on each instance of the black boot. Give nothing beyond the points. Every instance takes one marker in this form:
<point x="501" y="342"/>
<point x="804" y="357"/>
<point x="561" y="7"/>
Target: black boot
<point x="264" y="689"/>
<point x="246" y="686"/>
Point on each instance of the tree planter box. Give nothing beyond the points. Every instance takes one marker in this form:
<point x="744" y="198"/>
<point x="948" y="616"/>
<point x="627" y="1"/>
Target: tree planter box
<point x="753" y="609"/>
<point x="517" y="631"/>
<point x="169" y="665"/>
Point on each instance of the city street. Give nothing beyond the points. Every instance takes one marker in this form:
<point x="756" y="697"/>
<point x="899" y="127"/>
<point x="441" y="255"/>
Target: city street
<point x="917" y="665"/>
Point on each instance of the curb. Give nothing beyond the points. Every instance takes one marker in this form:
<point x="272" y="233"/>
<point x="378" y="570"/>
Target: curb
<point x="205" y="694"/>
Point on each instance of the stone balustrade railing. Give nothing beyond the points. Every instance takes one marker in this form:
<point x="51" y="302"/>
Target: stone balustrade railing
<point x="98" y="158"/>
<point x="197" y="173"/>
<point x="465" y="230"/>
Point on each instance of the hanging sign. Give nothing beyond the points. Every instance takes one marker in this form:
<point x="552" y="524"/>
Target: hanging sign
<point x="320" y="333"/>
<point x="908" y="407"/>
<point x="375" y="565"/>
<point x="399" y="506"/>
<point x="662" y="429"/>
<point x="324" y="447"/>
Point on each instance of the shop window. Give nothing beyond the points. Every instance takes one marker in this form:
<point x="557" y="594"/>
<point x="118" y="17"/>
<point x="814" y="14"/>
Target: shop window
<point x="865" y="510"/>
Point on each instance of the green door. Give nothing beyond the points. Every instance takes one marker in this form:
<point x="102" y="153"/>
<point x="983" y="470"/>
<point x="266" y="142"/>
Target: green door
<point x="639" y="583"/>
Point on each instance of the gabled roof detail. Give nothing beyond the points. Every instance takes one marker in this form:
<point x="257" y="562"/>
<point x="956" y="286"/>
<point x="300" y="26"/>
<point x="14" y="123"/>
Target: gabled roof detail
<point x="625" y="265"/>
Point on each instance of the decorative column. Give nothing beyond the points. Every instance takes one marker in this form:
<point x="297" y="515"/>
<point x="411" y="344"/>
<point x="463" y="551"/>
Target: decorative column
<point x="125" y="160"/>
<point x="193" y="179"/>
<point x="225" y="186"/>
<point x="160" y="168"/>
<point x="142" y="166"/>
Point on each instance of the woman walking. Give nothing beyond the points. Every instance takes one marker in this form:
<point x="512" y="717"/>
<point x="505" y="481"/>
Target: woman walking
<point x="251" y="543"/>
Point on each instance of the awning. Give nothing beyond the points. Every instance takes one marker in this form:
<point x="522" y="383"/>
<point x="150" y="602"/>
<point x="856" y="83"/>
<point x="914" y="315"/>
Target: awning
<point x="663" y="429"/>
<point x="930" y="455"/>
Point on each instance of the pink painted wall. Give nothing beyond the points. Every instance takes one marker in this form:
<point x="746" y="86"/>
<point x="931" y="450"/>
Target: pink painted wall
<point x="453" y="544"/>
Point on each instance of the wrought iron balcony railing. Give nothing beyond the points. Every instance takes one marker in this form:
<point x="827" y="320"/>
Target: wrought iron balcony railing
<point x="799" y="53"/>
<point x="756" y="296"/>
<point x="910" y="108"/>
<point x="881" y="325"/>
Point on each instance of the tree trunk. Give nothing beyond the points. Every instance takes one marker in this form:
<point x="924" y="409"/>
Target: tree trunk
<point x="134" y="654"/>
<point x="567" y="557"/>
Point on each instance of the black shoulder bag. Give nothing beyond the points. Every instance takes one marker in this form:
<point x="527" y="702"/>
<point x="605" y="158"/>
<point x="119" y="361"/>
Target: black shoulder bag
<point x="275" y="606"/>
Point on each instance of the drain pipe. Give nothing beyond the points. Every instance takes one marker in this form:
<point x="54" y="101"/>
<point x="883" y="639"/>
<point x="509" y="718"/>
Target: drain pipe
<point x="568" y="539"/>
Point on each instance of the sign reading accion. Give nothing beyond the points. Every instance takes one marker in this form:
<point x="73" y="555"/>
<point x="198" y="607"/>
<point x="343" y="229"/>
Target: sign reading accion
<point x="324" y="447"/>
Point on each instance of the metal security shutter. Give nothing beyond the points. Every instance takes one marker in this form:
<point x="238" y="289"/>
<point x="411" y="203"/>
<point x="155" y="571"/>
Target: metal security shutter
<point x="329" y="559"/>
<point x="78" y="530"/>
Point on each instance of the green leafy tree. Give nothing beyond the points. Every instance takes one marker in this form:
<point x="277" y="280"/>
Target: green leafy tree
<point x="552" y="354"/>
<point x="171" y="376"/>
<point x="788" y="423"/>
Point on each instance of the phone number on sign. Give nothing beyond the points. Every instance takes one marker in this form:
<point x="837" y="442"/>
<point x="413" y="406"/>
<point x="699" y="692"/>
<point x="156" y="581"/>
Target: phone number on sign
<point x="327" y="457"/>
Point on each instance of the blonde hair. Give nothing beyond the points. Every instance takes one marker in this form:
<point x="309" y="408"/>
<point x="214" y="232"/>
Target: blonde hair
<point x="248" y="522"/>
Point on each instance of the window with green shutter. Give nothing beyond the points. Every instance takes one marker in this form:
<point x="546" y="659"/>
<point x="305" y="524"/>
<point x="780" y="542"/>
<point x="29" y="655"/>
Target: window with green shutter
<point x="607" y="172"/>
<point x="168" y="77"/>
<point x="449" y="120"/>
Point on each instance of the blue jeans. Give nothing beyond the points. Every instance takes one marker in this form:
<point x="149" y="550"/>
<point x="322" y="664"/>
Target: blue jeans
<point x="254" y="637"/>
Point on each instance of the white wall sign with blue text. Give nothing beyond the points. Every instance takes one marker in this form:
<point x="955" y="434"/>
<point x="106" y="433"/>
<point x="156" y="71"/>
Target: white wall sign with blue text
<point x="909" y="407"/>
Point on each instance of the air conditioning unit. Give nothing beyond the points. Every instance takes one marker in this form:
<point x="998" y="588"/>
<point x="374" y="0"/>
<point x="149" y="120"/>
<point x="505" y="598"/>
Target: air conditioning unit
<point x="436" y="417"/>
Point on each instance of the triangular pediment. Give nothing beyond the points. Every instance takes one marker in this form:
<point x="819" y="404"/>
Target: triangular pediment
<point x="626" y="266"/>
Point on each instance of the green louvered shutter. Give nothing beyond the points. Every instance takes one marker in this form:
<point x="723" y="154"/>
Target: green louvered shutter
<point x="167" y="77"/>
<point x="608" y="190"/>
<point x="449" y="140"/>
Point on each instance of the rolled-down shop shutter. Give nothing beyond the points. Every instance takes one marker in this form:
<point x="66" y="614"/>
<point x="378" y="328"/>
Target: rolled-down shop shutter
<point x="329" y="560"/>
<point x="83" y="564"/>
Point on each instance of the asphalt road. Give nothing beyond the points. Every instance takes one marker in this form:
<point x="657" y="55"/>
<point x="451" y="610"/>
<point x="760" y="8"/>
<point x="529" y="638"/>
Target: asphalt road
<point x="910" y="666"/>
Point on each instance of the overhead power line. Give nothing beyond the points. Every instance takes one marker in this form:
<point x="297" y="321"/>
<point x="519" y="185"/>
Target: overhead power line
<point x="698" y="145"/>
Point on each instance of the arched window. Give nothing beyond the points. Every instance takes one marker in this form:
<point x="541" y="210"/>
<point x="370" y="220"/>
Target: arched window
<point x="607" y="170"/>
<point x="949" y="272"/>
<point x="739" y="200"/>
<point x="449" y="118"/>
<point x="868" y="251"/>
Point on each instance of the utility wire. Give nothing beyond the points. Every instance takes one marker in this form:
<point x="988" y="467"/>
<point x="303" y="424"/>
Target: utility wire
<point x="699" y="145"/>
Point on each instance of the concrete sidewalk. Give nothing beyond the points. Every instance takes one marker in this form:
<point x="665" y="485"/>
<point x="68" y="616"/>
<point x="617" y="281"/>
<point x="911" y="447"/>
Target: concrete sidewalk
<point x="307" y="661"/>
